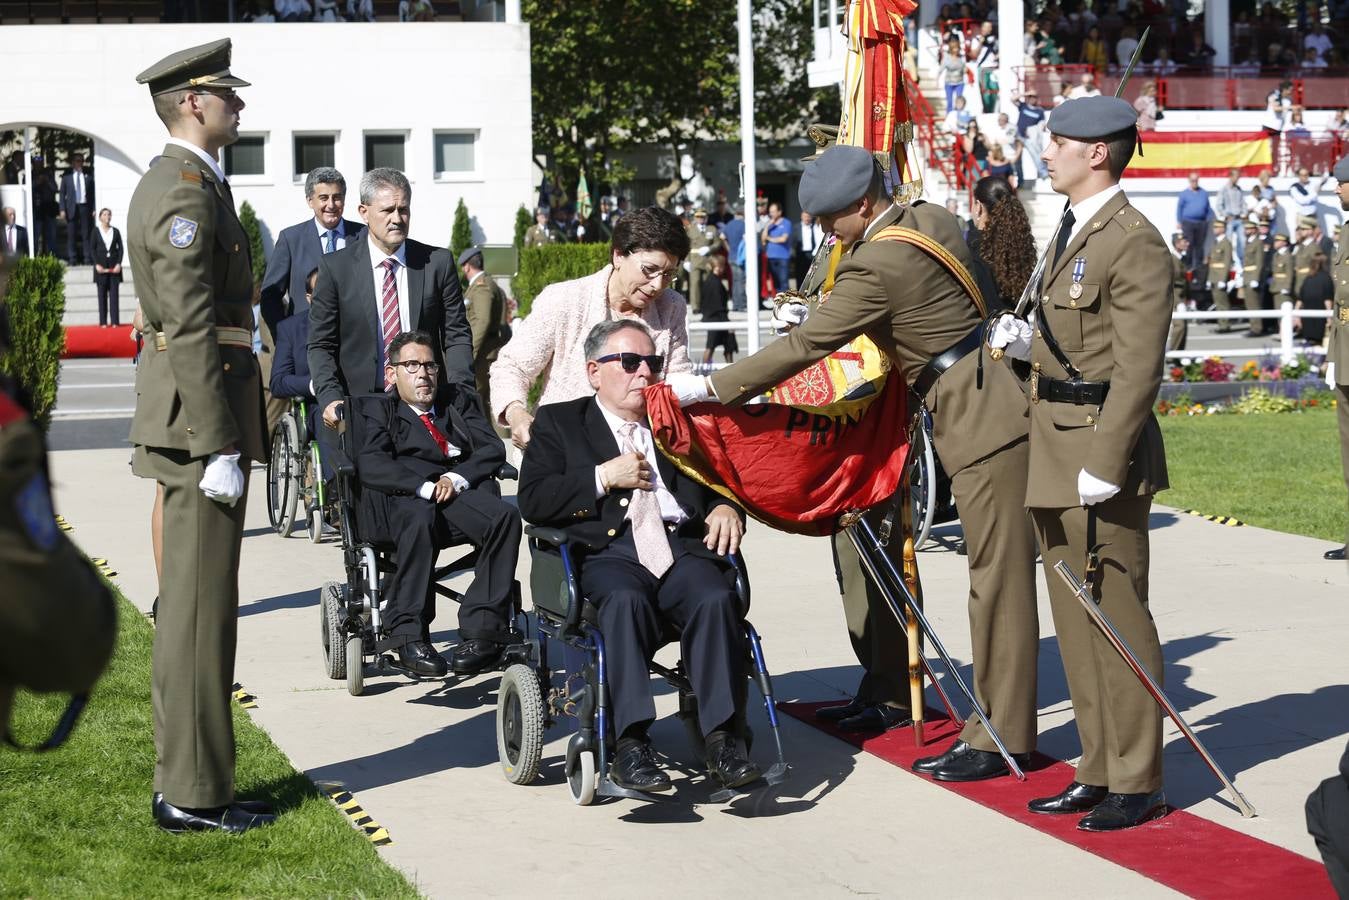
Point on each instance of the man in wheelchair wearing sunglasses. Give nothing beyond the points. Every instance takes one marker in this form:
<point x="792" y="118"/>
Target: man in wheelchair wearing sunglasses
<point x="651" y="543"/>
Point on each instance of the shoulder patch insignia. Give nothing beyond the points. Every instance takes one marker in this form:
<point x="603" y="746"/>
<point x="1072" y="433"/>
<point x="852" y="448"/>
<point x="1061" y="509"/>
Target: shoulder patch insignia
<point x="189" y="175"/>
<point x="33" y="503"/>
<point x="182" y="232"/>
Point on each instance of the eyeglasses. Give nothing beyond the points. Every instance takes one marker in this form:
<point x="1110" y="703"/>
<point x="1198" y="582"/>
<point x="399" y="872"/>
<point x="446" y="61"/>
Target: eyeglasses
<point x="652" y="272"/>
<point x="631" y="362"/>
<point x="413" y="366"/>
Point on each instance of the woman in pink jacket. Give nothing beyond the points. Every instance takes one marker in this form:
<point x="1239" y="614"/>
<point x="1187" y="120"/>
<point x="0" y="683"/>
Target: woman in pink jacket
<point x="648" y="247"/>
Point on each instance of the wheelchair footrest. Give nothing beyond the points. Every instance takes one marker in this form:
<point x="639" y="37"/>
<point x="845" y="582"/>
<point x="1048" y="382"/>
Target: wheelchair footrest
<point x="607" y="788"/>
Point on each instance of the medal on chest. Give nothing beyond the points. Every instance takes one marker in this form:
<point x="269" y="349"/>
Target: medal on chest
<point x="1075" y="290"/>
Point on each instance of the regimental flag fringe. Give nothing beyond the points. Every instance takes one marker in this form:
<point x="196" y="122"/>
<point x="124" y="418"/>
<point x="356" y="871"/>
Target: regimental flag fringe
<point x="1229" y="521"/>
<point x="373" y="831"/>
<point x="243" y="697"/>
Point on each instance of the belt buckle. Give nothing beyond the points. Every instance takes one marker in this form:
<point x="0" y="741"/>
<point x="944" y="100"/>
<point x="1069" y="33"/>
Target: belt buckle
<point x="1344" y="315"/>
<point x="1035" y="383"/>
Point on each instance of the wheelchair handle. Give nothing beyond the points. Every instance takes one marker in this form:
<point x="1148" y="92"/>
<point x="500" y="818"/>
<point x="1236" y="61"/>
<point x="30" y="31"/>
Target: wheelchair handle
<point x="507" y="472"/>
<point x="555" y="536"/>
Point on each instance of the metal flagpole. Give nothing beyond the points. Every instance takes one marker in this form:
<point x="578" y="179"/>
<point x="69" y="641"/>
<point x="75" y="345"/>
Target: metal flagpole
<point x="748" y="181"/>
<point x="29" y="136"/>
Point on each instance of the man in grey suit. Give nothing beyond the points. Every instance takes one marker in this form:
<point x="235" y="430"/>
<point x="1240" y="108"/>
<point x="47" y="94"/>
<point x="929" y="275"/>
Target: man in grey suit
<point x="299" y="248"/>
<point x="377" y="288"/>
<point x="77" y="203"/>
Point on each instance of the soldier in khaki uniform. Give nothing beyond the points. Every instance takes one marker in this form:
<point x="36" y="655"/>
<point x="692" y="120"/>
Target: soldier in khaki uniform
<point x="1281" y="271"/>
<point x="1180" y="292"/>
<point x="918" y="314"/>
<point x="1096" y="455"/>
<point x="704" y="240"/>
<point x="539" y="234"/>
<point x="485" y="306"/>
<point x="1306" y="248"/>
<point x="198" y="427"/>
<point x="1255" y="270"/>
<point x="1220" y="272"/>
<point x="1337" y="356"/>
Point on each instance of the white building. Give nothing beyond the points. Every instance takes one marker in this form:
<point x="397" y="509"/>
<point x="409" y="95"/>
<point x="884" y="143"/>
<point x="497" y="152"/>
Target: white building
<point x="447" y="103"/>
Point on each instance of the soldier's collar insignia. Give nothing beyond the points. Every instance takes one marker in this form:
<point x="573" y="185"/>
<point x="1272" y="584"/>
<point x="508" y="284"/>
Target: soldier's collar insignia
<point x="182" y="232"/>
<point x="37" y="518"/>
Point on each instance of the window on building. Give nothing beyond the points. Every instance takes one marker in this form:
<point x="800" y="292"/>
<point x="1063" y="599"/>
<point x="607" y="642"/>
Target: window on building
<point x="314" y="150"/>
<point x="384" y="151"/>
<point x="824" y="13"/>
<point x="456" y="153"/>
<point x="246" y="156"/>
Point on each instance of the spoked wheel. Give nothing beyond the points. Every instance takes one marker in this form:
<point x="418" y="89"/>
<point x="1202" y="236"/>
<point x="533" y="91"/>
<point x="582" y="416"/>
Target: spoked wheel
<point x="922" y="488"/>
<point x="583" y="779"/>
<point x="283" y="477"/>
<point x="355" y="666"/>
<point x="519" y="724"/>
<point x="330" y="623"/>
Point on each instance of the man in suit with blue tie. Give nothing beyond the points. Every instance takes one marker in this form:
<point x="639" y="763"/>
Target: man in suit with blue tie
<point x="299" y="247"/>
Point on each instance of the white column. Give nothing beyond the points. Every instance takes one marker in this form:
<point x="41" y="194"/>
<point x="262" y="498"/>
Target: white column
<point x="1011" y="50"/>
<point x="1218" y="30"/>
<point x="513" y="12"/>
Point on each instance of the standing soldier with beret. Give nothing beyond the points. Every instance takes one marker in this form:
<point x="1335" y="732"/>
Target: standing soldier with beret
<point x="1251" y="281"/>
<point x="485" y="306"/>
<point x="1337" y="358"/>
<point x="918" y="311"/>
<point x="1096" y="456"/>
<point x="1220" y="271"/>
<point x="198" y="427"/>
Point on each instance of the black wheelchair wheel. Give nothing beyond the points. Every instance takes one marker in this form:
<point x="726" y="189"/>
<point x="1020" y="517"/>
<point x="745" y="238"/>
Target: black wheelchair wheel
<point x="330" y="624"/>
<point x="922" y="488"/>
<point x="519" y="724"/>
<point x="283" y="476"/>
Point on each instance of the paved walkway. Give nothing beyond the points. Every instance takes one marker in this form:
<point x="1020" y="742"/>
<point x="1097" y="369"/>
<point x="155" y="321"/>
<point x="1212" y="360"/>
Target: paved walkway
<point x="1254" y="626"/>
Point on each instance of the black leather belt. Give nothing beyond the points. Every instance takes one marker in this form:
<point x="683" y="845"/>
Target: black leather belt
<point x="1080" y="393"/>
<point x="946" y="359"/>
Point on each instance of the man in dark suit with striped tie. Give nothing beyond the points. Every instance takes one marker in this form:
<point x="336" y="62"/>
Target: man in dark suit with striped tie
<point x="425" y="461"/>
<point x="378" y="287"/>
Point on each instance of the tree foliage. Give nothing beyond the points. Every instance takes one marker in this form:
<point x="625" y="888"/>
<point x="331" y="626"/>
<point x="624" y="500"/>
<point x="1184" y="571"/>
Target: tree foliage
<point x="248" y="219"/>
<point x="523" y="219"/>
<point x="36" y="301"/>
<point x="461" y="232"/>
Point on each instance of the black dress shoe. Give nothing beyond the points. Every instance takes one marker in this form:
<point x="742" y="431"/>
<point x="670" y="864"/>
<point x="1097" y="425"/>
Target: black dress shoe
<point x="635" y="768"/>
<point x="1119" y="811"/>
<point x="472" y="657"/>
<point x="232" y="819"/>
<point x="929" y="764"/>
<point x="727" y="764"/>
<point x="1076" y="798"/>
<point x="976" y="765"/>
<point x="877" y="717"/>
<point x="420" y="658"/>
<point x="1337" y="553"/>
<point x="258" y="807"/>
<point x="841" y="711"/>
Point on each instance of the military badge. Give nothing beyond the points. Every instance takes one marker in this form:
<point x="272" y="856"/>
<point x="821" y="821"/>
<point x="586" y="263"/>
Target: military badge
<point x="182" y="232"/>
<point x="33" y="503"/>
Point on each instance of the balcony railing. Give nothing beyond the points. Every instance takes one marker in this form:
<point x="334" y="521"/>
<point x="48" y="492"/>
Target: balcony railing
<point x="1214" y="88"/>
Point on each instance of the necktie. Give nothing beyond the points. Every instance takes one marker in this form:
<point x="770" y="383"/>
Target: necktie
<point x="439" y="436"/>
<point x="1065" y="230"/>
<point x="9" y="237"/>
<point x="332" y="242"/>
<point x="79" y="189"/>
<point x="389" y="318"/>
<point x="648" y="530"/>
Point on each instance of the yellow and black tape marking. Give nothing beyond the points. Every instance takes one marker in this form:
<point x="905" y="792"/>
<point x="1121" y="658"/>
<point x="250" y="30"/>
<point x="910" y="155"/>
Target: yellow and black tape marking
<point x="1229" y="521"/>
<point x="62" y="524"/>
<point x="245" y="699"/>
<point x="373" y="831"/>
<point x="102" y="566"/>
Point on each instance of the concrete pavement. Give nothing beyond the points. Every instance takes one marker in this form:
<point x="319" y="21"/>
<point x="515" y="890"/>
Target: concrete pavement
<point x="1253" y="623"/>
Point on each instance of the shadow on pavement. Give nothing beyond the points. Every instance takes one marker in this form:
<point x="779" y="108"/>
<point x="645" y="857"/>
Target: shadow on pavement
<point x="297" y="600"/>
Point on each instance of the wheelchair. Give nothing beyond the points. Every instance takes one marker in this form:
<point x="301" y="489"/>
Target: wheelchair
<point x="350" y="611"/>
<point x="294" y="472"/>
<point x="536" y="692"/>
<point x="929" y="485"/>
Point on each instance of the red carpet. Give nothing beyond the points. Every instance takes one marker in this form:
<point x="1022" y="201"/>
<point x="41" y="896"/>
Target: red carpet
<point x="91" y="341"/>
<point x="1185" y="852"/>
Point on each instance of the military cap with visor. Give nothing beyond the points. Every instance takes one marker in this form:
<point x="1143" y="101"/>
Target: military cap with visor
<point x="196" y="68"/>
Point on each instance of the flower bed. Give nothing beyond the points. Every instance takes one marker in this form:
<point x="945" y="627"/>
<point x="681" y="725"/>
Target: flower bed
<point x="1265" y="385"/>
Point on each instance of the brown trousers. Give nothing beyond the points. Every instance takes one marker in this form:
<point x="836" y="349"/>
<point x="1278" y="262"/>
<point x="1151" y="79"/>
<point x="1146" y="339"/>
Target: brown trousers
<point x="1343" y="416"/>
<point x="1119" y="723"/>
<point x="878" y="639"/>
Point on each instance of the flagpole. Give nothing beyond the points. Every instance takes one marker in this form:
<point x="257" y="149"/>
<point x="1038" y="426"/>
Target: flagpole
<point x="748" y="181"/>
<point x="29" y="136"/>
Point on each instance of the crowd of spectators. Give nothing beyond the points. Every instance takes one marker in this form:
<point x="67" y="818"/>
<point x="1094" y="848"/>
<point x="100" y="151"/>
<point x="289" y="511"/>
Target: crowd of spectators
<point x="334" y="11"/>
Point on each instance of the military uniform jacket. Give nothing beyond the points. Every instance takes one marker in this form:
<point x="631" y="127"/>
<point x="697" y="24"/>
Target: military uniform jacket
<point x="1338" y="351"/>
<point x="193" y="277"/>
<point x="913" y="309"/>
<point x="1113" y="328"/>
<point x="1302" y="263"/>
<point x="1253" y="270"/>
<point x="1220" y="262"/>
<point x="1180" y="285"/>
<point x="537" y="237"/>
<point x="485" y="304"/>
<point x="700" y="238"/>
<point x="1281" y="274"/>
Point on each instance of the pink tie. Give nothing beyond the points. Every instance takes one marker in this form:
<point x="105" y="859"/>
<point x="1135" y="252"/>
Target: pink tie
<point x="389" y="318"/>
<point x="648" y="530"/>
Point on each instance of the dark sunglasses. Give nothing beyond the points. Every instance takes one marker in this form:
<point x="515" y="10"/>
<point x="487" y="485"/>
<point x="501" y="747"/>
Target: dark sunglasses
<point x="631" y="362"/>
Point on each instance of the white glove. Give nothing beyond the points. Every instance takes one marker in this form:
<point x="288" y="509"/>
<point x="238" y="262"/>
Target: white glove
<point x="1092" y="490"/>
<point x="1222" y="285"/>
<point x="689" y="388"/>
<point x="1012" y="335"/>
<point x="580" y="231"/>
<point x="703" y="251"/>
<point x="1330" y="375"/>
<point x="222" y="481"/>
<point x="787" y="316"/>
<point x="1254" y="284"/>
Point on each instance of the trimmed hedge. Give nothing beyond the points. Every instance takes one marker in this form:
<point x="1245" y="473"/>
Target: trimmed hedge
<point x="37" y="301"/>
<point x="542" y="266"/>
<point x="248" y="219"/>
<point x="523" y="220"/>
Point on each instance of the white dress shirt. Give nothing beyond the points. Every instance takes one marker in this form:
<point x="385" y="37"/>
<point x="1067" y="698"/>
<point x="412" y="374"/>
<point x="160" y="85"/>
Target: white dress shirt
<point x="340" y="230"/>
<point x="105" y="235"/>
<point x="428" y="487"/>
<point x="670" y="510"/>
<point x="1085" y="209"/>
<point x="202" y="155"/>
<point x="377" y="257"/>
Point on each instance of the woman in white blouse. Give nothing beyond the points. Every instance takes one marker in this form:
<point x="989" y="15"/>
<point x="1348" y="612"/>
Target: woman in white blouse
<point x="647" y="249"/>
<point x="107" y="248"/>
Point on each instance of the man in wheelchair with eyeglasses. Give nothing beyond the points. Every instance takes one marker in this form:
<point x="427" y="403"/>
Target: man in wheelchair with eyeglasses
<point x="425" y="459"/>
<point x="651" y="543"/>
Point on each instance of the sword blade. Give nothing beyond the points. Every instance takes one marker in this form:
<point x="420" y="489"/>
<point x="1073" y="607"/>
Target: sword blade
<point x="1133" y="61"/>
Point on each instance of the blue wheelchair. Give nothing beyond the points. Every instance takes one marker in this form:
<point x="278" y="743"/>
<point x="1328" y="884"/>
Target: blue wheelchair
<point x="536" y="691"/>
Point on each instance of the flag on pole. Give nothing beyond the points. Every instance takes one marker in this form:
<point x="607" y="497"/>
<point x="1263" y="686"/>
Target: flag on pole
<point x="583" y="205"/>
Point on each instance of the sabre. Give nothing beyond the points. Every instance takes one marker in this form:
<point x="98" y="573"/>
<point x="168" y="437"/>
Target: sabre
<point x="1117" y="641"/>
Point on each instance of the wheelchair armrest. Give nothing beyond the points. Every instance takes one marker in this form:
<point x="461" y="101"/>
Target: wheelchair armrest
<point x="555" y="536"/>
<point x="345" y="469"/>
<point x="741" y="580"/>
<point x="507" y="472"/>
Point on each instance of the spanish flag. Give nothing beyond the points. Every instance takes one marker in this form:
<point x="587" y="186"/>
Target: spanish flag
<point x="1175" y="154"/>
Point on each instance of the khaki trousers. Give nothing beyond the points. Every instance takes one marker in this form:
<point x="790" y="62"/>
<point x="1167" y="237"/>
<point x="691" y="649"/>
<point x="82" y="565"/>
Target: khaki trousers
<point x="1119" y="723"/>
<point x="1343" y="415"/>
<point x="1004" y="623"/>
<point x="878" y="639"/>
<point x="195" y="630"/>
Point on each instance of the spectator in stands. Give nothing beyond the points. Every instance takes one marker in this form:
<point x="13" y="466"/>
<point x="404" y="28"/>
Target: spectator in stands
<point x="1232" y="210"/>
<point x="107" y="254"/>
<point x="1000" y="166"/>
<point x="1318" y="42"/>
<point x="1005" y="133"/>
<point x="259" y="12"/>
<point x="1316" y="291"/>
<point x="1312" y="60"/>
<point x="1192" y="215"/>
<point x="327" y="11"/>
<point x="416" y="11"/>
<point x="360" y="10"/>
<point x="953" y="72"/>
<point x="1030" y="129"/>
<point x="1296" y="127"/>
<point x="1163" y="65"/>
<point x="778" y="247"/>
<point x="1277" y="106"/>
<point x="1126" y="45"/>
<point x="1339" y="123"/>
<point x="1065" y="93"/>
<point x="1093" y="52"/>
<point x="1086" y="87"/>
<point x="1198" y="55"/>
<point x="986" y="62"/>
<point x="973" y="146"/>
<point x="1266" y="189"/>
<point x="1149" y="110"/>
<point x="957" y="118"/>
<point x="1304" y="194"/>
<point x="293" y="10"/>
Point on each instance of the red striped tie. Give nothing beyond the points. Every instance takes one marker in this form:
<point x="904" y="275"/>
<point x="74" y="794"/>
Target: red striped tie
<point x="389" y="318"/>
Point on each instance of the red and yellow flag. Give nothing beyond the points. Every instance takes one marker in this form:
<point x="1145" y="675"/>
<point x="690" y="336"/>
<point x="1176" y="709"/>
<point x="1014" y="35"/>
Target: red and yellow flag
<point x="1175" y="154"/>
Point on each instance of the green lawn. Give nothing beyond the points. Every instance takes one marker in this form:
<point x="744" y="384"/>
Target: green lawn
<point x="1277" y="471"/>
<point x="76" y="822"/>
